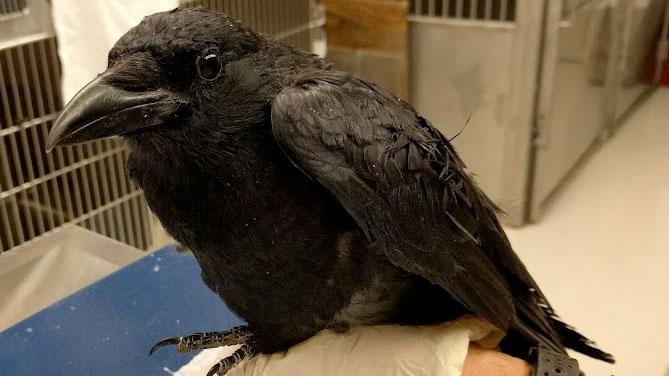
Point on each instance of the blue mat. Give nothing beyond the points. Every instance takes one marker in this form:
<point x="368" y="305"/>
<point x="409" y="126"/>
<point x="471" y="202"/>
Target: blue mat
<point x="108" y="328"/>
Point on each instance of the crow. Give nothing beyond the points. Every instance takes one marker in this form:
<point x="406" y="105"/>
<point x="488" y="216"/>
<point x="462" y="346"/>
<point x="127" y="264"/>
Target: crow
<point x="311" y="198"/>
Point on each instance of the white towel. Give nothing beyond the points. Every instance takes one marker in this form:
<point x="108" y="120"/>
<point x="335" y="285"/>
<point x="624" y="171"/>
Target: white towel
<point x="438" y="350"/>
<point x="87" y="30"/>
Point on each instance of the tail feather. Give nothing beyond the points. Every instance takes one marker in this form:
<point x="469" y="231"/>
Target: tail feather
<point x="576" y="341"/>
<point x="551" y="331"/>
<point x="537" y="322"/>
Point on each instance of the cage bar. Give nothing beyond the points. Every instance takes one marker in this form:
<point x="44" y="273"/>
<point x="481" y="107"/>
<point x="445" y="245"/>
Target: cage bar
<point x="471" y="10"/>
<point x="86" y="184"/>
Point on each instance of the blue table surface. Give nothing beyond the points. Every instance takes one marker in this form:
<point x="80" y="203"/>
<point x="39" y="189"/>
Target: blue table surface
<point x="108" y="327"/>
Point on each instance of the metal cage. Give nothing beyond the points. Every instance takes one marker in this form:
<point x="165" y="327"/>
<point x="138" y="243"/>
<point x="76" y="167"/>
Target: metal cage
<point x="484" y="10"/>
<point x="544" y="82"/>
<point x="84" y="184"/>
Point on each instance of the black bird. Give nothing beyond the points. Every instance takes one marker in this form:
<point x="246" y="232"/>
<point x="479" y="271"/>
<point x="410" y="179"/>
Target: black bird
<point x="311" y="198"/>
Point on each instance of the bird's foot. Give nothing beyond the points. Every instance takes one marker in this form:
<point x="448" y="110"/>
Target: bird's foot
<point x="229" y="362"/>
<point x="199" y="341"/>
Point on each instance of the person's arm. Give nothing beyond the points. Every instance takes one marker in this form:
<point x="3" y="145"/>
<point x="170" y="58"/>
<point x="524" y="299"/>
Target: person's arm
<point x="387" y="349"/>
<point x="485" y="362"/>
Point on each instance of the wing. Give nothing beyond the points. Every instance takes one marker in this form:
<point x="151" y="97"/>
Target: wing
<point x="405" y="186"/>
<point x="400" y="180"/>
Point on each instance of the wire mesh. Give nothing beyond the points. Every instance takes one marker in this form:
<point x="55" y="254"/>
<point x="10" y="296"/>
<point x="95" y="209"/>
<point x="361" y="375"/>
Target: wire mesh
<point x="287" y="21"/>
<point x="87" y="184"/>
<point x="482" y="10"/>
<point x="40" y="191"/>
<point x="12" y="7"/>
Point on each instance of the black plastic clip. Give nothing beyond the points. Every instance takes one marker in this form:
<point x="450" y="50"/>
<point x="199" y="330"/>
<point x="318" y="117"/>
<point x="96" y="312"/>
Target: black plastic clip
<point x="549" y="363"/>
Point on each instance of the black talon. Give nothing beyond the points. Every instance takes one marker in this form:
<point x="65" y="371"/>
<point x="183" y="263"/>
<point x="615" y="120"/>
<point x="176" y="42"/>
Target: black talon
<point x="214" y="370"/>
<point x="199" y="341"/>
<point x="164" y="342"/>
<point x="221" y="368"/>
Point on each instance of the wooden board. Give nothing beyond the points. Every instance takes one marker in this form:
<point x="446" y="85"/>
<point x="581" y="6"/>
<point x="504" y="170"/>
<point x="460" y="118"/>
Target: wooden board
<point x="379" y="25"/>
<point x="369" y="38"/>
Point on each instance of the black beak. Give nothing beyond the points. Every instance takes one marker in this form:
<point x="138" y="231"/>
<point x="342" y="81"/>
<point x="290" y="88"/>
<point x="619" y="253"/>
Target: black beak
<point x="101" y="110"/>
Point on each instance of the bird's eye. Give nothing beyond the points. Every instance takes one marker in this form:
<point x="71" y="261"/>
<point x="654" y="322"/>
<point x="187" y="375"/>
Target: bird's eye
<point x="209" y="64"/>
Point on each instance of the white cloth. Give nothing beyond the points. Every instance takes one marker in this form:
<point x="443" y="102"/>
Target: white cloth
<point x="87" y="30"/>
<point x="438" y="350"/>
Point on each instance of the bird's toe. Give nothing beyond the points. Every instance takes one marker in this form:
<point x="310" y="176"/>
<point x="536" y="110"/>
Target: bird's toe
<point x="165" y="342"/>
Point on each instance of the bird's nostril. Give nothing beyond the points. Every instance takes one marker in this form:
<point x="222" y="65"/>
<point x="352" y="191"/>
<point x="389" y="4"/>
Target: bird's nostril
<point x="132" y="85"/>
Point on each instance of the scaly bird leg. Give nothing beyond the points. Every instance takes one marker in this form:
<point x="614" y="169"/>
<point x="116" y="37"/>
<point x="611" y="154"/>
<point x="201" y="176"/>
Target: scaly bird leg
<point x="226" y="364"/>
<point x="199" y="341"/>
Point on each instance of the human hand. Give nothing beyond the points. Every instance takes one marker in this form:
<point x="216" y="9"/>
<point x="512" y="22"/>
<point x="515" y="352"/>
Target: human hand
<point x="485" y="362"/>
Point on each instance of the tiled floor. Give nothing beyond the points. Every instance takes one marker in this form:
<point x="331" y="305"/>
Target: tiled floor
<point x="601" y="252"/>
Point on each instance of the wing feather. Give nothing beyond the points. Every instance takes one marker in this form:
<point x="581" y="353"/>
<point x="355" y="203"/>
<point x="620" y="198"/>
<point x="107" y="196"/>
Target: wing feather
<point x="399" y="179"/>
<point x="405" y="186"/>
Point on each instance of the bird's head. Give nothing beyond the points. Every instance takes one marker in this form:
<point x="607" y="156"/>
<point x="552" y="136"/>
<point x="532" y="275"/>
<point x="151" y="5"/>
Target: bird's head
<point x="171" y="67"/>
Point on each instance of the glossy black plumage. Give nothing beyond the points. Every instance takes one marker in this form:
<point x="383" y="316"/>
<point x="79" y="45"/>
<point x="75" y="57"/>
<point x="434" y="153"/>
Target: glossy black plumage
<point x="314" y="199"/>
